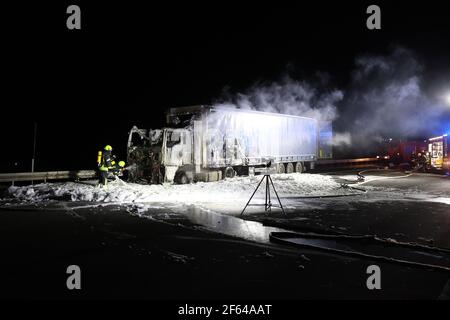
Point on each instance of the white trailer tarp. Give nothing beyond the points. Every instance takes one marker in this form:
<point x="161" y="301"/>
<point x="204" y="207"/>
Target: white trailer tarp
<point x="234" y="136"/>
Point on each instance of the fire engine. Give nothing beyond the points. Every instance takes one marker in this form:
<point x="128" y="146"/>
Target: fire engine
<point x="401" y="151"/>
<point x="439" y="153"/>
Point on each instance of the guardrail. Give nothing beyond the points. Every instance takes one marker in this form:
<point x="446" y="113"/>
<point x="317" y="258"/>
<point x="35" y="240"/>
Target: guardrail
<point x="90" y="174"/>
<point x="50" y="175"/>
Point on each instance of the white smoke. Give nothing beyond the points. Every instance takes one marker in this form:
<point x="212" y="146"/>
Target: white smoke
<point x="289" y="96"/>
<point x="340" y="139"/>
<point x="386" y="99"/>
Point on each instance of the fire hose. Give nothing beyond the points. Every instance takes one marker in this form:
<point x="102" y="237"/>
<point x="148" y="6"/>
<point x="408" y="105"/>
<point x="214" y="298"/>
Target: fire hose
<point x="281" y="237"/>
<point x="370" y="238"/>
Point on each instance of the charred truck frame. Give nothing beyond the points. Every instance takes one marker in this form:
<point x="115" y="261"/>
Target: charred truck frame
<point x="205" y="143"/>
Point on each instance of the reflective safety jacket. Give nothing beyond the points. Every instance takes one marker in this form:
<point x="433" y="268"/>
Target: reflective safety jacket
<point x="116" y="168"/>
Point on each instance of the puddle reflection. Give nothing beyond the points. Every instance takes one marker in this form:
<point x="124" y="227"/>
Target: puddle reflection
<point x="230" y="225"/>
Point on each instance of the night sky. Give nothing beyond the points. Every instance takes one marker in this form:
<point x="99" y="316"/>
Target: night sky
<point x="129" y="62"/>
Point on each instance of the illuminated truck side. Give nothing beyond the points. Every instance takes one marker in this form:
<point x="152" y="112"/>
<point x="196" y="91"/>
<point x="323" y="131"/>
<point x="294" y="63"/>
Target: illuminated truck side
<point x="206" y="143"/>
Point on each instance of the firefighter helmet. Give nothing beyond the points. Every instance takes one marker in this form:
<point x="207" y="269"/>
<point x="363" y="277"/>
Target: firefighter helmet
<point x="121" y="164"/>
<point x="108" y="148"/>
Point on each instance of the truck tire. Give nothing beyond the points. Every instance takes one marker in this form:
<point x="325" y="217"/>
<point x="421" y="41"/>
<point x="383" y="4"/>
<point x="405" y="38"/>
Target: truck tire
<point x="289" y="167"/>
<point x="299" y="168"/>
<point x="281" y="168"/>
<point x="181" y="178"/>
<point x="229" y="172"/>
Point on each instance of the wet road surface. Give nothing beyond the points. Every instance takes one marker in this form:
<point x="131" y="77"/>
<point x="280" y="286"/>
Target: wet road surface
<point x="189" y="253"/>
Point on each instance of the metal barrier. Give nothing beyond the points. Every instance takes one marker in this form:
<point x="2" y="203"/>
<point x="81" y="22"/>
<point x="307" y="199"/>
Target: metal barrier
<point x="90" y="174"/>
<point x="50" y="175"/>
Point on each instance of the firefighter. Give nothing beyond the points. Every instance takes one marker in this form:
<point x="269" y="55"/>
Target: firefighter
<point x="427" y="161"/>
<point x="104" y="165"/>
<point x="422" y="161"/>
<point x="414" y="160"/>
<point x="118" y="168"/>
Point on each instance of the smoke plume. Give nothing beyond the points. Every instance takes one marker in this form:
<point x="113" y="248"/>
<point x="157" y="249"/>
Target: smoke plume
<point x="288" y="96"/>
<point x="384" y="98"/>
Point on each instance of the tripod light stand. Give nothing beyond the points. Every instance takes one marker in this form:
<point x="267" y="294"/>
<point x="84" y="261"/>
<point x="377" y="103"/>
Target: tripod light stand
<point x="268" y="203"/>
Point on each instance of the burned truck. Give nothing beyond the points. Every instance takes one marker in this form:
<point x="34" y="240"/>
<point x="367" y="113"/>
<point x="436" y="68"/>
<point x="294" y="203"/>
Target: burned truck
<point x="208" y="143"/>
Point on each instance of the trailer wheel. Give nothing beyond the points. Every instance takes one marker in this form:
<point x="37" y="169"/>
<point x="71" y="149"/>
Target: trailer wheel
<point x="281" y="168"/>
<point x="229" y="172"/>
<point x="181" y="178"/>
<point x="289" y="167"/>
<point x="299" y="168"/>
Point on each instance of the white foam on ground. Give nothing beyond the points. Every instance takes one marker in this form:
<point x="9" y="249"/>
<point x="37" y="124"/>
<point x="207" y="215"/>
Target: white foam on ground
<point x="239" y="188"/>
<point x="440" y="200"/>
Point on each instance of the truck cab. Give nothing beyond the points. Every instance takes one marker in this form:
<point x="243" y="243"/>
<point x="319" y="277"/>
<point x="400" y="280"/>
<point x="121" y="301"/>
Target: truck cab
<point x="154" y="156"/>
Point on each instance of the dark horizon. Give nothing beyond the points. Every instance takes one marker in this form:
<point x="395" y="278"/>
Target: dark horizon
<point x="128" y="64"/>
